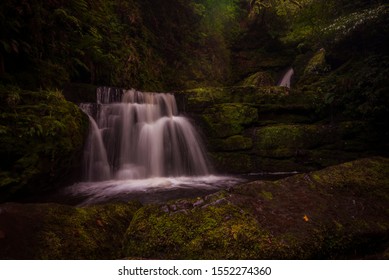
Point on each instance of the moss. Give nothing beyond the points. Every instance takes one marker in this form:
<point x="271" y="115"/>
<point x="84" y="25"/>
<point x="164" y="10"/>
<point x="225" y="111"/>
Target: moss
<point x="196" y="100"/>
<point x="42" y="141"/>
<point x="281" y="141"/>
<point x="233" y="162"/>
<point x="232" y="143"/>
<point x="228" y="119"/>
<point x="259" y="79"/>
<point x="376" y="179"/>
<point x="267" y="195"/>
<point x="52" y="231"/>
<point x="221" y="231"/>
<point x="306" y="216"/>
<point x="338" y="212"/>
<point x="317" y="64"/>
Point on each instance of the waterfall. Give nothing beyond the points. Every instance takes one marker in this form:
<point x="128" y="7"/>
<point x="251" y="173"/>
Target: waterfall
<point x="285" y="81"/>
<point x="137" y="135"/>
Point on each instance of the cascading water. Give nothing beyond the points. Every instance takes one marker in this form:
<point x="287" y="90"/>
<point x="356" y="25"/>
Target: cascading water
<point x="285" y="80"/>
<point x="139" y="147"/>
<point x="139" y="137"/>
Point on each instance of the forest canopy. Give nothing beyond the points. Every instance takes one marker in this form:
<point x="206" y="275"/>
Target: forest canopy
<point x="157" y="44"/>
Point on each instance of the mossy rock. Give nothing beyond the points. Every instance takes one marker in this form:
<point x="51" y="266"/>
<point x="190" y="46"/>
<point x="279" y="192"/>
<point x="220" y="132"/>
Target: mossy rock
<point x="259" y="79"/>
<point x="338" y="212"/>
<point x="232" y="143"/>
<point x="216" y="230"/>
<point x="228" y="119"/>
<point x="53" y="231"/>
<point x="282" y="141"/>
<point x="42" y="137"/>
<point x="317" y="64"/>
<point x="233" y="162"/>
<point x="197" y="100"/>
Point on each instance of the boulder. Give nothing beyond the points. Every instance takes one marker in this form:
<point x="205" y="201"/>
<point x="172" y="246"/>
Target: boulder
<point x="54" y="231"/>
<point x="339" y="212"/>
<point x="41" y="138"/>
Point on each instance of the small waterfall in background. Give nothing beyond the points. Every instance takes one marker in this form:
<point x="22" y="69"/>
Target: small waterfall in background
<point x="137" y="135"/>
<point x="285" y="81"/>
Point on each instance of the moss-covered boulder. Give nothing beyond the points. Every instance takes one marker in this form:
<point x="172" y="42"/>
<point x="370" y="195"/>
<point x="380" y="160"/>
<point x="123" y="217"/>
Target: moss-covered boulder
<point x="197" y="100"/>
<point x="259" y="79"/>
<point x="233" y="143"/>
<point x="41" y="139"/>
<point x="338" y="212"/>
<point x="53" y="231"/>
<point x="288" y="140"/>
<point x="228" y="119"/>
<point x="317" y="64"/>
<point x="233" y="162"/>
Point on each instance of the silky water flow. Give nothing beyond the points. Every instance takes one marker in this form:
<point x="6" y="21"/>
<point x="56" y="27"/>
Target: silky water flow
<point x="140" y="147"/>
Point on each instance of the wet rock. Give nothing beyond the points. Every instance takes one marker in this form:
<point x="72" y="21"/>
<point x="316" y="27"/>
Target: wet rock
<point x="306" y="216"/>
<point x="338" y="212"/>
<point x="198" y="203"/>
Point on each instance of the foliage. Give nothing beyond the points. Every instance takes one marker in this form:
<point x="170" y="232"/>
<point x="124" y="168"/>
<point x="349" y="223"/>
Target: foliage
<point x="322" y="23"/>
<point x="144" y="44"/>
<point x="41" y="135"/>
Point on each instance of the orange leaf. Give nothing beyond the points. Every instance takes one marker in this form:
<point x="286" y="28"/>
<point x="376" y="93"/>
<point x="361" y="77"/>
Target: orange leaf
<point x="305" y="218"/>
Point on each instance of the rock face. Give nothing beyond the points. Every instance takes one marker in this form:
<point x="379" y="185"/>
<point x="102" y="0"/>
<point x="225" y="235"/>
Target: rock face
<point x="268" y="128"/>
<point x="335" y="213"/>
<point x="41" y="139"/>
<point x="338" y="212"/>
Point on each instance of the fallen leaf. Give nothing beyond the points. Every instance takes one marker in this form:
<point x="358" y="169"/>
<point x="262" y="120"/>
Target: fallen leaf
<point x="305" y="218"/>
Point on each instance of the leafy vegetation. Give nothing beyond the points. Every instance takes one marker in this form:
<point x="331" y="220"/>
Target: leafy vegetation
<point x="142" y="44"/>
<point x="41" y="139"/>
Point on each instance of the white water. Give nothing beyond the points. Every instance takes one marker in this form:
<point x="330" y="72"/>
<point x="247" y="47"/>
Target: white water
<point x="149" y="190"/>
<point x="140" y="147"/>
<point x="285" y="81"/>
<point x="140" y="137"/>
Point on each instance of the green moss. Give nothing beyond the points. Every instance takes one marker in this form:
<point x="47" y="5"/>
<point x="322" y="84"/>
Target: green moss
<point x="338" y="212"/>
<point x="52" y="231"/>
<point x="317" y="64"/>
<point x="232" y="143"/>
<point x="214" y="231"/>
<point x="259" y="79"/>
<point x="42" y="141"/>
<point x="196" y="100"/>
<point x="282" y="141"/>
<point x="233" y="162"/>
<point x="228" y="119"/>
<point x="297" y="217"/>
<point x="377" y="179"/>
<point x="267" y="195"/>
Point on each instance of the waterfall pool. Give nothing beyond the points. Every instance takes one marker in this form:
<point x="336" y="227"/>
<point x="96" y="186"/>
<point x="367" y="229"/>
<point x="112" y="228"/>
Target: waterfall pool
<point x="150" y="190"/>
